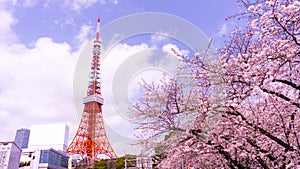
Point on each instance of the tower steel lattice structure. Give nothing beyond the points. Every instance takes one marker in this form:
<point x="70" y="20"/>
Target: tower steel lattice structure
<point x="90" y="139"/>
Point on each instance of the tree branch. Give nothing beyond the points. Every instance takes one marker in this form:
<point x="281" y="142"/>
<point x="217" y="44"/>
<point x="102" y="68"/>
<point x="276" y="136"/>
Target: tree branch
<point x="228" y="157"/>
<point x="287" y="83"/>
<point x="264" y="132"/>
<point x="284" y="28"/>
<point x="281" y="96"/>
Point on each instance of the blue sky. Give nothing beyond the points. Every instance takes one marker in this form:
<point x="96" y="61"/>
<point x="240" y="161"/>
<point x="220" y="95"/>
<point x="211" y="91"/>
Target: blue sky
<point x="61" y="20"/>
<point x="43" y="41"/>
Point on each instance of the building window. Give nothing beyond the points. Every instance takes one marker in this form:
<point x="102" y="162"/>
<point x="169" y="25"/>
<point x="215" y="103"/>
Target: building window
<point x="53" y="158"/>
<point x="44" y="158"/>
<point x="64" y="161"/>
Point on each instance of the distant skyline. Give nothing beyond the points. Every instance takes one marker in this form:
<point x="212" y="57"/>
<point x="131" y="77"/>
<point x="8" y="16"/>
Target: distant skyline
<point x="41" y="42"/>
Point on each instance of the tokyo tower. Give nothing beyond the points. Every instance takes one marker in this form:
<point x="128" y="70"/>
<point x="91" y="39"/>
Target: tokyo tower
<point x="90" y="139"/>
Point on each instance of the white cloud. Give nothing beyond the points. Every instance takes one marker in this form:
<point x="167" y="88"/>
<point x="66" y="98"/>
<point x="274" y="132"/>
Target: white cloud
<point x="29" y="3"/>
<point x="78" y="5"/>
<point x="103" y="1"/>
<point x="81" y="4"/>
<point x="173" y="49"/>
<point x="149" y="75"/>
<point x="64" y="21"/>
<point x="84" y="33"/>
<point x="7" y="21"/>
<point x="110" y="65"/>
<point x="159" y="36"/>
<point x="115" y="38"/>
<point x="46" y="3"/>
<point x="36" y="84"/>
<point x="115" y="2"/>
<point x="223" y="29"/>
<point x="25" y="3"/>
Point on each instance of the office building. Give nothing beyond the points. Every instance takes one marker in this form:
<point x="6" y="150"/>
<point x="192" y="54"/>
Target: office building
<point x="44" y="159"/>
<point x="46" y="136"/>
<point x="10" y="154"/>
<point x="22" y="137"/>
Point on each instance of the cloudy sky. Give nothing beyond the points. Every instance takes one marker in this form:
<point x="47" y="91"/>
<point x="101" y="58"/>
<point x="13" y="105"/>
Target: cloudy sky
<point x="43" y="69"/>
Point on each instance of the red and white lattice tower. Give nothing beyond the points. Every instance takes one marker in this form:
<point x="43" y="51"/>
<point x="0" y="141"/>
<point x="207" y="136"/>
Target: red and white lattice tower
<point x="91" y="139"/>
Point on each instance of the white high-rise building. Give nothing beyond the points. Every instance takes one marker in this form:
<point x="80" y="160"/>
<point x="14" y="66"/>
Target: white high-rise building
<point x="10" y="154"/>
<point x="46" y="136"/>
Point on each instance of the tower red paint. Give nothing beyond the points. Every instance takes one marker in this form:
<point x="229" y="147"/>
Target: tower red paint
<point x="91" y="139"/>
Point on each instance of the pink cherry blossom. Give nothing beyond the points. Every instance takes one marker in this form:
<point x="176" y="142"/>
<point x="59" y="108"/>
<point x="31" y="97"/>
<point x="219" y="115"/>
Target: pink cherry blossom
<point x="259" y="122"/>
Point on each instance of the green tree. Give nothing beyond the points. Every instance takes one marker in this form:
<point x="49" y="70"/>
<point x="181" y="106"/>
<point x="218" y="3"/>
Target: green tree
<point x="102" y="164"/>
<point x="118" y="163"/>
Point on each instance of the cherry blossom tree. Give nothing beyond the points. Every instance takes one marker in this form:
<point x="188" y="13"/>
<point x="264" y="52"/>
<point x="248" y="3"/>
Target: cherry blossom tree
<point x="259" y="126"/>
<point x="262" y="63"/>
<point x="181" y="111"/>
